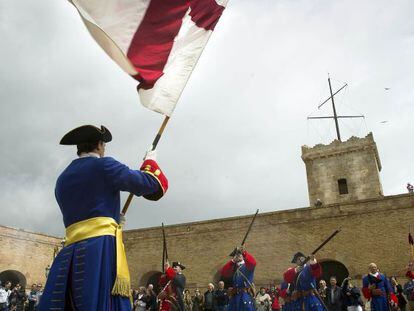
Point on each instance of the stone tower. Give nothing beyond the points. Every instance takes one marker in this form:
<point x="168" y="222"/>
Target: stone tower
<point x="343" y="171"/>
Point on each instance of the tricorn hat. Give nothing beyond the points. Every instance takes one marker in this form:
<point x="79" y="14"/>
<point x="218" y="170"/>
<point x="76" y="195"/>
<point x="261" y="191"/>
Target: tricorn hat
<point x="236" y="251"/>
<point x="86" y="134"/>
<point x="178" y="264"/>
<point x="296" y="256"/>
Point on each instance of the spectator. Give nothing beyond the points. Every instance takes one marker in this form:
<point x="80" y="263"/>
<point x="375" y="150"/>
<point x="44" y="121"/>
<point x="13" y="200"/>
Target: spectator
<point x="410" y="188"/>
<point x="151" y="299"/>
<point x="322" y="291"/>
<point x="334" y="295"/>
<point x="398" y="291"/>
<point x="263" y="300"/>
<point x="188" y="302"/>
<point x="209" y="302"/>
<point x="221" y="298"/>
<point x="17" y="298"/>
<point x="351" y="296"/>
<point x="274" y="297"/>
<point x="408" y="289"/>
<point x="32" y="298"/>
<point x="140" y="304"/>
<point x="39" y="294"/>
<point x="198" y="301"/>
<point x="134" y="295"/>
<point x="4" y="296"/>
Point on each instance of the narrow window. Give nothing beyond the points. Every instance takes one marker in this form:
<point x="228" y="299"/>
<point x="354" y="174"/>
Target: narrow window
<point x="342" y="186"/>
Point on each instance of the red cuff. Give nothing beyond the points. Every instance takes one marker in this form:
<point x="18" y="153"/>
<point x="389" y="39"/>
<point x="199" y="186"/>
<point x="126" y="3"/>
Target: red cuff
<point x="170" y="272"/>
<point x="316" y="270"/>
<point x="151" y="167"/>
<point x="289" y="275"/>
<point x="227" y="270"/>
<point x="410" y="274"/>
<point x="283" y="293"/>
<point x="393" y="298"/>
<point x="249" y="260"/>
<point x="367" y="292"/>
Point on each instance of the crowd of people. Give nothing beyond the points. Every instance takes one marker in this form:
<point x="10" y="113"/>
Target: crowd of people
<point x="18" y="299"/>
<point x="334" y="297"/>
<point x="344" y="297"/>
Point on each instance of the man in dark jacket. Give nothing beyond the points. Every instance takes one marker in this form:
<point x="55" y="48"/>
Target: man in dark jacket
<point x="221" y="297"/>
<point x="334" y="296"/>
<point x="209" y="302"/>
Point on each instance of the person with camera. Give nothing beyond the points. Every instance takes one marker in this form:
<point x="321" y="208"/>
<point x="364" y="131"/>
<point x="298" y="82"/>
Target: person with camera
<point x="351" y="296"/>
<point x="17" y="297"/>
<point x="263" y="300"/>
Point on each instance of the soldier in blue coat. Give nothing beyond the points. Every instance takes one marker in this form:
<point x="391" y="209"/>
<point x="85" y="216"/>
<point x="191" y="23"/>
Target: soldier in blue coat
<point x="241" y="269"/>
<point x="91" y="272"/>
<point x="303" y="277"/>
<point x="375" y="287"/>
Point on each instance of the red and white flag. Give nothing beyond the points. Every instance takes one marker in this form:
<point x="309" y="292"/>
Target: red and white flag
<point x="157" y="42"/>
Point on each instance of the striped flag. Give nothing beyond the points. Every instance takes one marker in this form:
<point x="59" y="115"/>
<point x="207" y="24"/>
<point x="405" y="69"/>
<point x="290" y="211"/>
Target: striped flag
<point x="157" y="42"/>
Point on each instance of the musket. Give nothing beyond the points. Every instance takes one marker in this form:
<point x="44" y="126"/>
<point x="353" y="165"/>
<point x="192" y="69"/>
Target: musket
<point x="250" y="228"/>
<point x="326" y="241"/>
<point x="164" y="248"/>
<point x="322" y="245"/>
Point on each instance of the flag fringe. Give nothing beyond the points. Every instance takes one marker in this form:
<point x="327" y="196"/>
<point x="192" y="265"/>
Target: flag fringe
<point x="122" y="287"/>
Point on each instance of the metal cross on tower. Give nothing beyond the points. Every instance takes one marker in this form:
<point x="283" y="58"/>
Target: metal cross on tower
<point x="335" y="116"/>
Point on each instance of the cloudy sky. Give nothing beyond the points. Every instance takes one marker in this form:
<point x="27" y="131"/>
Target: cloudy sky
<point x="233" y="143"/>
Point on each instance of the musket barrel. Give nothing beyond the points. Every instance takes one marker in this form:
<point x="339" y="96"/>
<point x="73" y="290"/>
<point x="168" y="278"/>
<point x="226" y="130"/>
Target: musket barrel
<point x="250" y="227"/>
<point x="326" y="241"/>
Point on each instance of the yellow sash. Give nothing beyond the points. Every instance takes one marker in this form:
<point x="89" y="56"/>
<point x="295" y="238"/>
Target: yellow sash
<point x="99" y="226"/>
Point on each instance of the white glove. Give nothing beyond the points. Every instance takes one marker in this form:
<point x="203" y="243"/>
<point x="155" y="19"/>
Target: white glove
<point x="151" y="155"/>
<point x="122" y="219"/>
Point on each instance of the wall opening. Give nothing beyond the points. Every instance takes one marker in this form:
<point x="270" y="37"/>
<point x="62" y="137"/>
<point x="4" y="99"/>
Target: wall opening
<point x="151" y="277"/>
<point x="342" y="186"/>
<point x="228" y="282"/>
<point x="333" y="268"/>
<point x="14" y="277"/>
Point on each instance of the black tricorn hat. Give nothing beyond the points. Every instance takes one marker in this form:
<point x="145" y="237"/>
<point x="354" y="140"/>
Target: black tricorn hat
<point x="178" y="264"/>
<point x="86" y="134"/>
<point x="296" y="256"/>
<point x="236" y="251"/>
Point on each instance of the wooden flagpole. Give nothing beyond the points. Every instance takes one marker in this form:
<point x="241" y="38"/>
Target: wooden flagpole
<point x="154" y="145"/>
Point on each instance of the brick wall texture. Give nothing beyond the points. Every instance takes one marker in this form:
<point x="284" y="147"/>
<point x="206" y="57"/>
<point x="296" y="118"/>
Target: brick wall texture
<point x="373" y="230"/>
<point x="26" y="252"/>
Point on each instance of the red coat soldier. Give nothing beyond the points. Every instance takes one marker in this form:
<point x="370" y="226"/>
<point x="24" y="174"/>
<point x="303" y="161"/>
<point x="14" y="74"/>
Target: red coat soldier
<point x="173" y="284"/>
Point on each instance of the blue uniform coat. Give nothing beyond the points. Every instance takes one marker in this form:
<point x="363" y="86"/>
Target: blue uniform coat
<point x="242" y="279"/>
<point x="83" y="273"/>
<point x="378" y="303"/>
